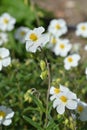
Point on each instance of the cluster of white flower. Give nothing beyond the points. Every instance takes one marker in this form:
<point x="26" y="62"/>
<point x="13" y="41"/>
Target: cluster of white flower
<point x="5" y="115"/>
<point x="35" y="39"/>
<point x="61" y="47"/>
<point x="57" y="28"/>
<point x="62" y="97"/>
<point x="6" y="24"/>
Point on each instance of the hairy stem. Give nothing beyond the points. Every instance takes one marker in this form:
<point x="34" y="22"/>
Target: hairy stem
<point x="48" y="91"/>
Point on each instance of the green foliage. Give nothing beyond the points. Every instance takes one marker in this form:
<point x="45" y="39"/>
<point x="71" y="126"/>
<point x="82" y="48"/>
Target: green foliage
<point x="25" y="73"/>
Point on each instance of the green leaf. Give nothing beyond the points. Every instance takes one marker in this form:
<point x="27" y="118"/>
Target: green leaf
<point x="52" y="126"/>
<point x="38" y="103"/>
<point x="36" y="125"/>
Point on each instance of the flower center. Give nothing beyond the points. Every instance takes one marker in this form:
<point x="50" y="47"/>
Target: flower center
<point x="58" y="26"/>
<point x="6" y="20"/>
<point x="62" y="46"/>
<point x="22" y="33"/>
<point x="80" y="108"/>
<point x="70" y="59"/>
<point x="53" y="41"/>
<point x="33" y="37"/>
<point x="2" y="114"/>
<point x="83" y="28"/>
<point x="56" y="90"/>
<point x="63" y="99"/>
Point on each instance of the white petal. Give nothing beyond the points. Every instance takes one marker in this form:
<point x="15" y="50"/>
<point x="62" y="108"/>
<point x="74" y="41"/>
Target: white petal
<point x="60" y="109"/>
<point x="39" y="30"/>
<point x="44" y="39"/>
<point x="0" y="65"/>
<point x="63" y="88"/>
<point x="52" y="90"/>
<point x="53" y="97"/>
<point x="83" y="115"/>
<point x="71" y="104"/>
<point x="10" y="113"/>
<point x="56" y="103"/>
<point x="7" y="122"/>
<point x="71" y="95"/>
<point x="4" y="52"/>
<point x="6" y="61"/>
<point x="67" y="66"/>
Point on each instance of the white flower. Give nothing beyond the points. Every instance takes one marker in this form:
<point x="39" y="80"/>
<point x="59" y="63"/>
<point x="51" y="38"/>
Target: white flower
<point x="21" y="33"/>
<point x="85" y="48"/>
<point x="5" y="59"/>
<point x="5" y="115"/>
<point x="35" y="39"/>
<point x="82" y="29"/>
<point x="7" y="22"/>
<point x="82" y="110"/>
<point x="3" y="38"/>
<point x="71" y="61"/>
<point x="62" y="47"/>
<point x="55" y="92"/>
<point x="57" y="27"/>
<point x="65" y="99"/>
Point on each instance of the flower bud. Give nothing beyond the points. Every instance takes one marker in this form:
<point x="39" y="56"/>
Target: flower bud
<point x="42" y="65"/>
<point x="44" y="74"/>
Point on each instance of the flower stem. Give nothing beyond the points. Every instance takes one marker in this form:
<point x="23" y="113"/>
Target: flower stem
<point x="48" y="91"/>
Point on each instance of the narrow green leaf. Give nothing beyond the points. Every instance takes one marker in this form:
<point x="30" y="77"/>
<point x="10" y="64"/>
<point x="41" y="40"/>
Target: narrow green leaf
<point x="38" y="103"/>
<point x="36" y="125"/>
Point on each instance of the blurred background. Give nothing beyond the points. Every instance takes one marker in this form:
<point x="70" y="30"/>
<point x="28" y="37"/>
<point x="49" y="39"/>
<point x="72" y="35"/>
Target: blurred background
<point x="74" y="11"/>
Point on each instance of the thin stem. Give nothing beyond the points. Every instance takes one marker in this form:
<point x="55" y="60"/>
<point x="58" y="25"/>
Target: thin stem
<point x="48" y="91"/>
<point x="49" y="81"/>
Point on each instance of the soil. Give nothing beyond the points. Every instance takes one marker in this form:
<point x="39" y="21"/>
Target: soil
<point x="73" y="11"/>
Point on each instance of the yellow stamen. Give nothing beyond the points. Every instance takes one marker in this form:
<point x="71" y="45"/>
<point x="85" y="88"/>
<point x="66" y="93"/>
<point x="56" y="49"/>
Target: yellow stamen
<point x="22" y="33"/>
<point x="6" y="20"/>
<point x="58" y="26"/>
<point x="2" y="114"/>
<point x="63" y="99"/>
<point x="83" y="28"/>
<point x="80" y="108"/>
<point x="53" y="41"/>
<point x="62" y="46"/>
<point x="33" y="37"/>
<point x="70" y="59"/>
<point x="56" y="90"/>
